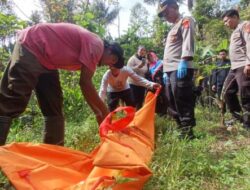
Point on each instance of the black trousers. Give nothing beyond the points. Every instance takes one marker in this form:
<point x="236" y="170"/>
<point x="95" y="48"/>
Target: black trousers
<point x="229" y="93"/>
<point x="181" y="98"/>
<point x="237" y="82"/>
<point x="138" y="93"/>
<point x="219" y="90"/>
<point x="161" y="103"/>
<point x="114" y="97"/>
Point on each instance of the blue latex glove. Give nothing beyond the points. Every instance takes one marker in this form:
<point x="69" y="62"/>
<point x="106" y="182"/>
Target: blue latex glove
<point x="165" y="78"/>
<point x="182" y="69"/>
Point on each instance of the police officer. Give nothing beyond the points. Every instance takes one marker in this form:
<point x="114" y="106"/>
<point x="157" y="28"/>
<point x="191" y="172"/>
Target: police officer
<point x="178" y="66"/>
<point x="239" y="75"/>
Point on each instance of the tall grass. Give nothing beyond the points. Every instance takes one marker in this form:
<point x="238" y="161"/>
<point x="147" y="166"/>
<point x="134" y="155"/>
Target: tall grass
<point x="217" y="159"/>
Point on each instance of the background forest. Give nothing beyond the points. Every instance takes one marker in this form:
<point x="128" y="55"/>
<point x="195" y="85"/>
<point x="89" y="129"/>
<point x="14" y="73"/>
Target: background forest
<point x="219" y="159"/>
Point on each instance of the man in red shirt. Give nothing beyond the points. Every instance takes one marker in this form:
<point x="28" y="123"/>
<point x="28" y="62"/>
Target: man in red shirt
<point x="38" y="54"/>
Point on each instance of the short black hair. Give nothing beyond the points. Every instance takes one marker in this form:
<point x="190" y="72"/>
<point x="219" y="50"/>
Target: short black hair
<point x="230" y="13"/>
<point x="223" y="50"/>
<point x="117" y="50"/>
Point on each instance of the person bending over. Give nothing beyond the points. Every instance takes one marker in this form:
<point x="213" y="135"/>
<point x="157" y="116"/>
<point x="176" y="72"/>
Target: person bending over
<point x="39" y="52"/>
<point x="114" y="85"/>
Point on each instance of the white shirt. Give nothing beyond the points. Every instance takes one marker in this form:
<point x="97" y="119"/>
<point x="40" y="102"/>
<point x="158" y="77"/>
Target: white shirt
<point x="133" y="63"/>
<point x="111" y="83"/>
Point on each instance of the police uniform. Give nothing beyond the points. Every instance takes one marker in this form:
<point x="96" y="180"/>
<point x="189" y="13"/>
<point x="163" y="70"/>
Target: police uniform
<point x="239" y="52"/>
<point x="180" y="44"/>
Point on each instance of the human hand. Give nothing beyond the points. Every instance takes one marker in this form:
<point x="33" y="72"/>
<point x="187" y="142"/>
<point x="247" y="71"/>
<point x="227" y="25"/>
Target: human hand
<point x="100" y="118"/>
<point x="143" y="62"/>
<point x="214" y="88"/>
<point x="165" y="78"/>
<point x="156" y="85"/>
<point x="182" y="69"/>
<point x="247" y="70"/>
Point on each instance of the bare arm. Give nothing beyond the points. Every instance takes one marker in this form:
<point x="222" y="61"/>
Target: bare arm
<point x="104" y="86"/>
<point x="91" y="95"/>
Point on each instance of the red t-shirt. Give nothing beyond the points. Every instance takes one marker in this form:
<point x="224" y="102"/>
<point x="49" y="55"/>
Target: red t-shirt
<point x="63" y="45"/>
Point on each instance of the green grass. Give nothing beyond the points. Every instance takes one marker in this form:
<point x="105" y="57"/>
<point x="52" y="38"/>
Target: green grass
<point x="218" y="159"/>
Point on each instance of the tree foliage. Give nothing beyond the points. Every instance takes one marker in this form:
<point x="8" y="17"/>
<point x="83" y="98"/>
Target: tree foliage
<point x="59" y="10"/>
<point x="245" y="10"/>
<point x="105" y="13"/>
<point x="245" y="3"/>
<point x="139" y="20"/>
<point x="36" y="17"/>
<point x="6" y="7"/>
<point x="210" y="28"/>
<point x="9" y="24"/>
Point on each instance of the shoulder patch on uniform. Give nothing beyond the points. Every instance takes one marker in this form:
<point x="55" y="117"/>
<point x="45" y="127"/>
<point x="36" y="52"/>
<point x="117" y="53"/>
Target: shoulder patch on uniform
<point x="186" y="23"/>
<point x="246" y="27"/>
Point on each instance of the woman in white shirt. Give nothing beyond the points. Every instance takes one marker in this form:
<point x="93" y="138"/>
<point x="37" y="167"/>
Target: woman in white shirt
<point x="115" y="86"/>
<point x="139" y="64"/>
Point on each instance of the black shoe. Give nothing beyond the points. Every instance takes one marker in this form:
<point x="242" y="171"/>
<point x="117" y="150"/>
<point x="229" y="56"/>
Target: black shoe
<point x="187" y="133"/>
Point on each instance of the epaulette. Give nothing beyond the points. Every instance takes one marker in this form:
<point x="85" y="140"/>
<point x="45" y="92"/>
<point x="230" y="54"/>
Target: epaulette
<point x="186" y="22"/>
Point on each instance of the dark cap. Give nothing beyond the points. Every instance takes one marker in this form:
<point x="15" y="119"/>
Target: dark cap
<point x="163" y="5"/>
<point x="117" y="50"/>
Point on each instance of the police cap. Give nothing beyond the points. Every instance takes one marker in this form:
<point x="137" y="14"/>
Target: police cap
<point x="163" y="5"/>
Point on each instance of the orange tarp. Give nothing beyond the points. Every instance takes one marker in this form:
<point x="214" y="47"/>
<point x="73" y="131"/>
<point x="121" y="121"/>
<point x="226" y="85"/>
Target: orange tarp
<point x="119" y="162"/>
